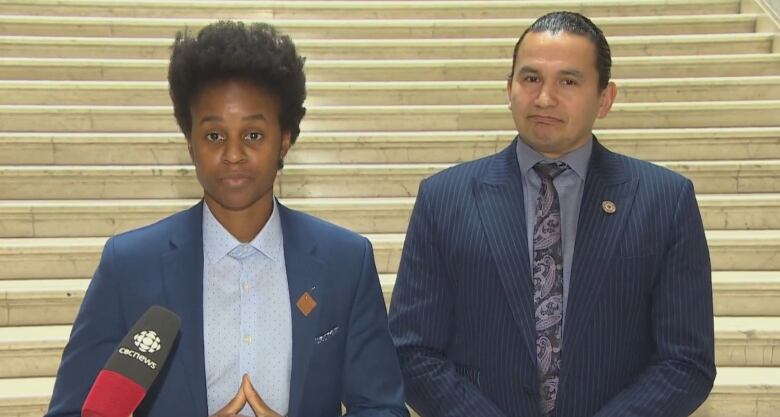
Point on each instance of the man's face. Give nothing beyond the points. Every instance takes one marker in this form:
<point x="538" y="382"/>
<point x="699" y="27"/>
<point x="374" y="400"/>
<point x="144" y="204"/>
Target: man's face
<point x="236" y="144"/>
<point x="554" y="95"/>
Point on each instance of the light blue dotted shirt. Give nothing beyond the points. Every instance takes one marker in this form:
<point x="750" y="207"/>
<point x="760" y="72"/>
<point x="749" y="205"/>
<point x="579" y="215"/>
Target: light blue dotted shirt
<point x="247" y="325"/>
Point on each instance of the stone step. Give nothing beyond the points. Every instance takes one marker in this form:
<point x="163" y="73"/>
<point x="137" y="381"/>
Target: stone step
<point x="31" y="351"/>
<point x="35" y="351"/>
<point x="22" y="25"/>
<point x="25" y="397"/>
<point x="38" y="302"/>
<point x="743" y="392"/>
<point x="744" y="250"/>
<point x="322" y="181"/>
<point x="746" y="293"/>
<point x="45" y="118"/>
<point x="86" y="148"/>
<point x="740" y="65"/>
<point x="266" y="10"/>
<point x="135" y="93"/>
<point x="33" y="302"/>
<point x="115" y="47"/>
<point x="85" y="218"/>
<point x="738" y="392"/>
<point x="44" y="258"/>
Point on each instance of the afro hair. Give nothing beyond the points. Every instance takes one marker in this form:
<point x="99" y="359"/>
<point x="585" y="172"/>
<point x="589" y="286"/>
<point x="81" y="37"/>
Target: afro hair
<point x="225" y="50"/>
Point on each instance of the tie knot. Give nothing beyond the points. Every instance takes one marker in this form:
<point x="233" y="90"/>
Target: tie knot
<point x="550" y="170"/>
<point x="241" y="251"/>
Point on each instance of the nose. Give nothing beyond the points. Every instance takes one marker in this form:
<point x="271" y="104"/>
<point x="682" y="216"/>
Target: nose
<point x="546" y="96"/>
<point x="233" y="151"/>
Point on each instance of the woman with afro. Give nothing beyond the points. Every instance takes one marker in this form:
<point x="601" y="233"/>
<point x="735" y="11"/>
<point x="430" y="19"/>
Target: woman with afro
<point x="282" y="313"/>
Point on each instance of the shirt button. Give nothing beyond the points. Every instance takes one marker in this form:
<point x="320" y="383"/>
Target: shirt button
<point x="247" y="339"/>
<point x="246" y="287"/>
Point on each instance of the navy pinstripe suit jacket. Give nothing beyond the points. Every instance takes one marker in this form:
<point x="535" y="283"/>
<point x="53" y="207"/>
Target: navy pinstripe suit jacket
<point x="638" y="338"/>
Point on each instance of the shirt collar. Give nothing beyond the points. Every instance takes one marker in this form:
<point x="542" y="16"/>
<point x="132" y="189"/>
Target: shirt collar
<point x="218" y="242"/>
<point x="577" y="160"/>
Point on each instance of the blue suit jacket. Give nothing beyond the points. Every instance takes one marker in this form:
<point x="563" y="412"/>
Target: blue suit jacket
<point x="638" y="338"/>
<point x="162" y="264"/>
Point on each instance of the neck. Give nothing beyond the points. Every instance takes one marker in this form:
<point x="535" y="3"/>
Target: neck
<point x="243" y="224"/>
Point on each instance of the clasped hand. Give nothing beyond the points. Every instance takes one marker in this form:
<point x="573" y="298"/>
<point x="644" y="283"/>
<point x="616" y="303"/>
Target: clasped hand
<point x="246" y="394"/>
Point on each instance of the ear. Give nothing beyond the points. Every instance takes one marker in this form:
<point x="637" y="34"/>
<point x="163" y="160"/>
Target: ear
<point x="189" y="149"/>
<point x="606" y="100"/>
<point x="509" y="91"/>
<point x="286" y="144"/>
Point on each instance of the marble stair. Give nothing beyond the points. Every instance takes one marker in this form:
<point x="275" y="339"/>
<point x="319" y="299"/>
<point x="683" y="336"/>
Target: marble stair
<point x="398" y="90"/>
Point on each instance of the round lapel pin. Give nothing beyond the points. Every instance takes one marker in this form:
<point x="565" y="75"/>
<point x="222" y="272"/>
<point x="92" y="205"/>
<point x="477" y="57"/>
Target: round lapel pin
<point x="609" y="207"/>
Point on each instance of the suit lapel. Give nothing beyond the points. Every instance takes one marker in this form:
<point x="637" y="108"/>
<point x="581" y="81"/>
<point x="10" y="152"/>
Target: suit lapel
<point x="597" y="235"/>
<point x="302" y="272"/>
<point x="499" y="199"/>
<point x="183" y="288"/>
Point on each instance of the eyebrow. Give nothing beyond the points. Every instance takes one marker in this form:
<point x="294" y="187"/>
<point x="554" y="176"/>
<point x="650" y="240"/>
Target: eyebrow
<point x="207" y="119"/>
<point x="573" y="73"/>
<point x="525" y="69"/>
<point x="215" y="118"/>
<point x="256" y="116"/>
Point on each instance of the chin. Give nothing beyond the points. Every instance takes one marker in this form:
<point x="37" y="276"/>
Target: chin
<point x="235" y="203"/>
<point x="540" y="142"/>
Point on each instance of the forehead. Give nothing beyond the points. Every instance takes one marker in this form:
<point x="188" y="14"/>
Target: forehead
<point x="232" y="92"/>
<point x="562" y="50"/>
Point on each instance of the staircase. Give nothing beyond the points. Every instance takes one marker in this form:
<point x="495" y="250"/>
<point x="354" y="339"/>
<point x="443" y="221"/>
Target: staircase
<point x="398" y="90"/>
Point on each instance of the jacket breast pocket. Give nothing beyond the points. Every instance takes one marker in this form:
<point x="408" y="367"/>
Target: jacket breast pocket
<point x="638" y="246"/>
<point x="643" y="236"/>
<point x="328" y="335"/>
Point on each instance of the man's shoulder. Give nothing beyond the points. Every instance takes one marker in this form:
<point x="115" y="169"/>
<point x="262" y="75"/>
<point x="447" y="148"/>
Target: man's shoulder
<point x="648" y="172"/>
<point x="461" y="175"/>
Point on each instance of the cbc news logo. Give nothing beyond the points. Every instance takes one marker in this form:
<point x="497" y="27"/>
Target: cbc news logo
<point x="147" y="341"/>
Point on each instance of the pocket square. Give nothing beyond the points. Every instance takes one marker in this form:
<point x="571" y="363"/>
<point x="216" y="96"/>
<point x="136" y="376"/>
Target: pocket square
<point x="327" y="335"/>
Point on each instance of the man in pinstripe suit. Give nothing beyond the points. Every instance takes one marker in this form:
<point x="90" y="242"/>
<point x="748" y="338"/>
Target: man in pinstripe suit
<point x="555" y="278"/>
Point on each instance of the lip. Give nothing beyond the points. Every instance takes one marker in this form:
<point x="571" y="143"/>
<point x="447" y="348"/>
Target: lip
<point x="545" y="119"/>
<point x="235" y="180"/>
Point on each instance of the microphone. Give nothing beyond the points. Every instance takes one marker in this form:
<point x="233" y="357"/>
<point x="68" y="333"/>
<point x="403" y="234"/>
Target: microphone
<point x="122" y="383"/>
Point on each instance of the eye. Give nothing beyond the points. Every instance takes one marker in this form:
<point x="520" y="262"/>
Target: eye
<point x="215" y="137"/>
<point x="531" y="79"/>
<point x="569" y="82"/>
<point x="253" y="137"/>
